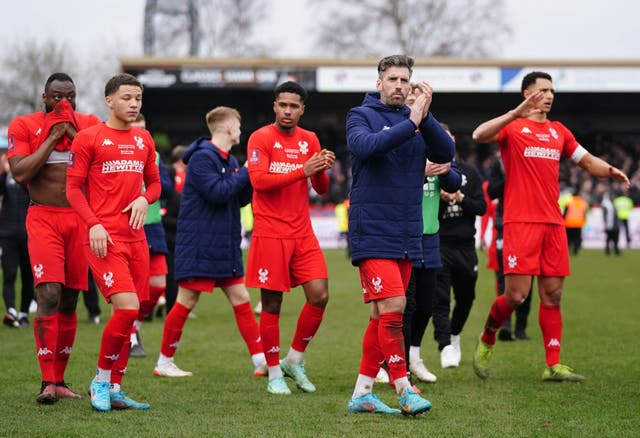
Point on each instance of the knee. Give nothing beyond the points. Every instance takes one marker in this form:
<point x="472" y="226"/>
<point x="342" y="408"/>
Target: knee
<point x="319" y="299"/>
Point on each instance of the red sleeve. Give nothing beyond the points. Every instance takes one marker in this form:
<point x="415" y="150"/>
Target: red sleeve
<point x="18" y="138"/>
<point x="570" y="142"/>
<point x="259" y="161"/>
<point x="152" y="184"/>
<point x="77" y="171"/>
<point x="320" y="182"/>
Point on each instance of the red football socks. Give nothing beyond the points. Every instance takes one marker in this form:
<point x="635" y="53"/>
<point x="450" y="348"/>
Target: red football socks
<point x="308" y="323"/>
<point x="550" y="320"/>
<point x="67" y="325"/>
<point x="248" y="327"/>
<point x="500" y="312"/>
<point x="45" y="330"/>
<point x="372" y="355"/>
<point x="392" y="344"/>
<point x="115" y="334"/>
<point x="172" y="331"/>
<point x="270" y="334"/>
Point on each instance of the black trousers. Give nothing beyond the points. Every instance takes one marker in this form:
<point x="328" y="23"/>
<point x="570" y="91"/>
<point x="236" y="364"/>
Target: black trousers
<point x="460" y="273"/>
<point x="420" y="297"/>
<point x="574" y="237"/>
<point x="612" y="241"/>
<point x="16" y="254"/>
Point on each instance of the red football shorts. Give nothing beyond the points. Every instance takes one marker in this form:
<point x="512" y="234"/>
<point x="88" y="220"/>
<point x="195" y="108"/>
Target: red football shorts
<point x="208" y="284"/>
<point x="56" y="238"/>
<point x="124" y="269"/>
<point x="158" y="264"/>
<point x="535" y="249"/>
<point x="280" y="264"/>
<point x="384" y="278"/>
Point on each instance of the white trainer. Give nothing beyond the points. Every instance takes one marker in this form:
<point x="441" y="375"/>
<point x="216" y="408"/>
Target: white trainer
<point x="455" y="343"/>
<point x="170" y="369"/>
<point x="448" y="357"/>
<point x="383" y="376"/>
<point x="421" y="372"/>
<point x="261" y="370"/>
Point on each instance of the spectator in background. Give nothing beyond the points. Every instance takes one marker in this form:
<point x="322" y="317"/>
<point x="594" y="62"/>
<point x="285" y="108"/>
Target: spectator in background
<point x="624" y="207"/>
<point x="13" y="247"/>
<point x="457" y="216"/>
<point x="575" y="218"/>
<point x="39" y="153"/>
<point x="177" y="173"/>
<point x="611" y="220"/>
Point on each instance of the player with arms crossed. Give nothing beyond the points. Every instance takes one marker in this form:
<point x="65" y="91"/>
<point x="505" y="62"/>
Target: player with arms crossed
<point x="108" y="165"/>
<point x="535" y="241"/>
<point x="39" y="146"/>
<point x="284" y="251"/>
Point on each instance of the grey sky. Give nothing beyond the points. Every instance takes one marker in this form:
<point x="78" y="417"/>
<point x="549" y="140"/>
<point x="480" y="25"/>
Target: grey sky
<point x="543" y="29"/>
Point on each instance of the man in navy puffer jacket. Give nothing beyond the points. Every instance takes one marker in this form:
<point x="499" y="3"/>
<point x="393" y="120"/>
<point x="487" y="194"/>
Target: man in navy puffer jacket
<point x="208" y="237"/>
<point x="389" y="144"/>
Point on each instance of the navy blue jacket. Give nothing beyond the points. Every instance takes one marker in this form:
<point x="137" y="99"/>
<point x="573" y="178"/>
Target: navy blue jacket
<point x="209" y="234"/>
<point x="388" y="159"/>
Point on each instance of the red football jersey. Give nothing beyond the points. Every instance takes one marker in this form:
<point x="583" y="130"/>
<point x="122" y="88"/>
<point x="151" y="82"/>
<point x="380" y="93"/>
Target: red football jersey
<point x="280" y="188"/>
<point x="111" y="165"/>
<point x="531" y="153"/>
<point x="26" y="132"/>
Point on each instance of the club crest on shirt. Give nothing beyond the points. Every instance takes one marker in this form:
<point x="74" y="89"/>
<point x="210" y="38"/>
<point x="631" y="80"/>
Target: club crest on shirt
<point x="139" y="142"/>
<point x="304" y="147"/>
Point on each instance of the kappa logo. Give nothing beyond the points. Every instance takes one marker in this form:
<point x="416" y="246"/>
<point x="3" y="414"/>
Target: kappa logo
<point x="526" y="130"/>
<point x="139" y="142"/>
<point x="259" y="340"/>
<point x="553" y="342"/>
<point x="377" y="284"/>
<point x="174" y="345"/>
<point x="304" y="147"/>
<point x="512" y="260"/>
<point x="263" y="275"/>
<point x="108" y="279"/>
<point x="273" y="350"/>
<point x="394" y="358"/>
<point x="277" y="145"/>
<point x="43" y="351"/>
<point x="113" y="357"/>
<point x="66" y="350"/>
<point x="307" y="339"/>
<point x="38" y="270"/>
<point x="39" y="131"/>
<point x="107" y="142"/>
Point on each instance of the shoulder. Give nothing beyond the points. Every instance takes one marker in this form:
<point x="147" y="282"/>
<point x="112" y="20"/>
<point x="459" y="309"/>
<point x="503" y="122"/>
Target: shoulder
<point x="26" y="119"/>
<point x="85" y="120"/>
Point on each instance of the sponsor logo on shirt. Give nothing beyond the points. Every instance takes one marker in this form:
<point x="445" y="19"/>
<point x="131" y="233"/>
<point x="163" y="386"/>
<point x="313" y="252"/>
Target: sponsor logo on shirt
<point x="116" y="166"/>
<point x="541" y="152"/>
<point x="107" y="142"/>
<point x="282" y="167"/>
<point x="126" y="149"/>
